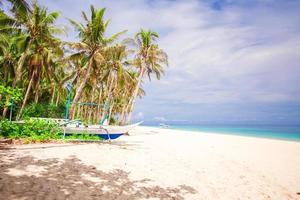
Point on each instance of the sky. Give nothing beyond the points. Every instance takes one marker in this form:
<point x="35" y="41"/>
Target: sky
<point x="230" y="61"/>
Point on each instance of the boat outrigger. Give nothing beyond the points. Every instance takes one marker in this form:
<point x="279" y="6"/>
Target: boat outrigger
<point x="106" y="132"/>
<point x="103" y="130"/>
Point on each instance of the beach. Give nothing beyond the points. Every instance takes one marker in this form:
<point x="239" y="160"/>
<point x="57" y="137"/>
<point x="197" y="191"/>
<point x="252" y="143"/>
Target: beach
<point x="154" y="163"/>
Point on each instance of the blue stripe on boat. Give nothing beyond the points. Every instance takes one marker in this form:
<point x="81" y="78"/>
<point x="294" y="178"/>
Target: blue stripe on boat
<point x="104" y="135"/>
<point x="112" y="136"/>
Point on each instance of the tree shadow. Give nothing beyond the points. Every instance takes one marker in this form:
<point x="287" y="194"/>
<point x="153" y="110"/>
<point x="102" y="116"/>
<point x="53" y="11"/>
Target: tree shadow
<point x="5" y="147"/>
<point x="71" y="179"/>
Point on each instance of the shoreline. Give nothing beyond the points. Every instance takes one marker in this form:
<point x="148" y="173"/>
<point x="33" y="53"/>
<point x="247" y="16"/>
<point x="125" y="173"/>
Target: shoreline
<point x="157" y="163"/>
<point x="224" y="133"/>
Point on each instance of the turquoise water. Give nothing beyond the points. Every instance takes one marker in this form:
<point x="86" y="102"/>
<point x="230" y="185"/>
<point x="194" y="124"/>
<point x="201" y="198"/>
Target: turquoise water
<point x="273" y="132"/>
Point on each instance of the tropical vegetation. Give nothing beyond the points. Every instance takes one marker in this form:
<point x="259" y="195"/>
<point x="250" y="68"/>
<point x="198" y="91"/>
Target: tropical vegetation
<point x="97" y="76"/>
<point x="38" y="130"/>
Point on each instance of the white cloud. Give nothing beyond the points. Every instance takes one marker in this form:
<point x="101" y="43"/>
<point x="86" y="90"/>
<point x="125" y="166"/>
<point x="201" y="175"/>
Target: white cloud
<point x="139" y="116"/>
<point x="161" y="119"/>
<point x="229" y="58"/>
<point x="247" y="52"/>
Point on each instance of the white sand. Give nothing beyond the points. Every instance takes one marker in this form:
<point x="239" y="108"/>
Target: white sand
<point x="216" y="166"/>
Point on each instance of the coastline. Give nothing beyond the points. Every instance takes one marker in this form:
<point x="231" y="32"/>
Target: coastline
<point x="236" y="133"/>
<point x="172" y="163"/>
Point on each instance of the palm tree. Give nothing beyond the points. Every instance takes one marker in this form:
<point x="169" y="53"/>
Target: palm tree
<point x="40" y="30"/>
<point x="12" y="44"/>
<point x="31" y="57"/>
<point x="149" y="59"/>
<point x="34" y="28"/>
<point x="22" y="12"/>
<point x="116" y="69"/>
<point x="91" y="47"/>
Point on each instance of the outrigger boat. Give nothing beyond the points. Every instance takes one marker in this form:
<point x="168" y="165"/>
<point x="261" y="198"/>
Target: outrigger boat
<point x="106" y="132"/>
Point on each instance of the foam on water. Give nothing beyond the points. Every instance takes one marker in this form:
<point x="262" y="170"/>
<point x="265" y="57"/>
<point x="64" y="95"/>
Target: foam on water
<point x="263" y="131"/>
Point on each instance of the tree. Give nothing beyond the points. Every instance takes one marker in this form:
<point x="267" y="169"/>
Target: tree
<point x="40" y="29"/>
<point x="149" y="59"/>
<point x="100" y="68"/>
<point x="33" y="29"/>
<point x="91" y="47"/>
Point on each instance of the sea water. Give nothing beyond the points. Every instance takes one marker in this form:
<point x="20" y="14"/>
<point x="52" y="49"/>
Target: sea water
<point x="283" y="132"/>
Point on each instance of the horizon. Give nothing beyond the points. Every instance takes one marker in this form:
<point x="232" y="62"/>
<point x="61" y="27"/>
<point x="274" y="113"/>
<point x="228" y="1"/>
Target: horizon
<point x="218" y="124"/>
<point x="230" y="61"/>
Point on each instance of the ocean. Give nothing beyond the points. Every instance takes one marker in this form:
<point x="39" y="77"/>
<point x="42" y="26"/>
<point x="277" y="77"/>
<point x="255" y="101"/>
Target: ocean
<point x="282" y="132"/>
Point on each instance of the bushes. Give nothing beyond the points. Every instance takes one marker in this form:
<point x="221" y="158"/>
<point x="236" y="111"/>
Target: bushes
<point x="37" y="131"/>
<point x="83" y="137"/>
<point x="44" y="110"/>
<point x="8" y="129"/>
<point x="8" y="93"/>
<point x="32" y="130"/>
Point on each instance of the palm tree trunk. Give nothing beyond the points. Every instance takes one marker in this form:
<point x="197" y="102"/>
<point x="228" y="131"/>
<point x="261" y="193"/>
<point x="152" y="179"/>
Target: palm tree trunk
<point x="82" y="112"/>
<point x="86" y="113"/>
<point x="4" y="111"/>
<point x="95" y="114"/>
<point x="124" y="109"/>
<point x="98" y="117"/>
<point x="127" y="109"/>
<point x="7" y="99"/>
<point x="92" y="106"/>
<point x="110" y="112"/>
<point x="78" y="111"/>
<point x="25" y="97"/>
<point x="135" y="93"/>
<point x="109" y="91"/>
<point x="80" y="88"/>
<point x="53" y="94"/>
<point x="37" y="86"/>
<point x="18" y="72"/>
<point x="107" y="100"/>
<point x="75" y="111"/>
<point x="57" y="100"/>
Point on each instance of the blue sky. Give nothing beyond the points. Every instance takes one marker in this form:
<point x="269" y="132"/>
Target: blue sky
<point x="231" y="61"/>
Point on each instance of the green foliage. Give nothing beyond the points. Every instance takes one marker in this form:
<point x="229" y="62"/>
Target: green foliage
<point x="9" y="129"/>
<point x="41" y="130"/>
<point x="112" y="120"/>
<point x="32" y="130"/>
<point x="101" y="69"/>
<point x="38" y="131"/>
<point x="14" y="93"/>
<point x="83" y="137"/>
<point x="44" y="110"/>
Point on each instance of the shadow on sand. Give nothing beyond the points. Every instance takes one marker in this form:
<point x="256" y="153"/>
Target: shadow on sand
<point x="71" y="179"/>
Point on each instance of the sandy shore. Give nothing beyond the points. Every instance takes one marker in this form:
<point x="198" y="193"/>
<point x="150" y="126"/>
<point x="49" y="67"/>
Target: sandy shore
<point x="154" y="163"/>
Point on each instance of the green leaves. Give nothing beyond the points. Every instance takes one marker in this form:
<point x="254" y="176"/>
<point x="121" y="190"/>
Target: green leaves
<point x="21" y="9"/>
<point x="51" y="18"/>
<point x="45" y="110"/>
<point x="33" y="130"/>
<point x="78" y="27"/>
<point x="9" y="93"/>
<point x="100" y="67"/>
<point x="149" y="55"/>
<point x="5" y="19"/>
<point x="145" y="38"/>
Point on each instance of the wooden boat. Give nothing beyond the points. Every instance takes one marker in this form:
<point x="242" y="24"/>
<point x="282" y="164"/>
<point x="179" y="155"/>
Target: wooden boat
<point x="106" y="132"/>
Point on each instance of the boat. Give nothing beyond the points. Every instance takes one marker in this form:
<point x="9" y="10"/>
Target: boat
<point x="162" y="125"/>
<point x="106" y="132"/>
<point x="75" y="126"/>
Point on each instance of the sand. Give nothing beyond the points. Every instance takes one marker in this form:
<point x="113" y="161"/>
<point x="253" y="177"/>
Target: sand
<point x="154" y="163"/>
